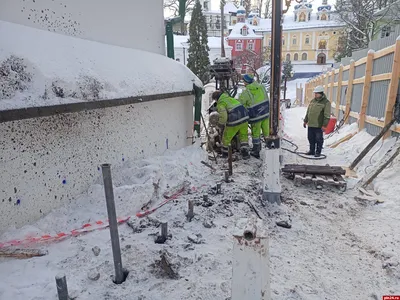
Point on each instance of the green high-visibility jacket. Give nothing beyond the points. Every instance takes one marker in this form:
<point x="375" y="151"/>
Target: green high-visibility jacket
<point x="318" y="112"/>
<point x="231" y="111"/>
<point x="255" y="99"/>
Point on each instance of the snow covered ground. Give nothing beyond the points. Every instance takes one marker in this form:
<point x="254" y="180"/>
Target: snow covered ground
<point x="336" y="249"/>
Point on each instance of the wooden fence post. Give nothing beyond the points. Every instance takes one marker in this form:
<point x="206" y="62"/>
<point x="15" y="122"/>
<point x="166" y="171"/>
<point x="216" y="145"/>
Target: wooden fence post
<point x="393" y="86"/>
<point x="366" y="89"/>
<point x="339" y="90"/>
<point x="332" y="83"/>
<point x="349" y="91"/>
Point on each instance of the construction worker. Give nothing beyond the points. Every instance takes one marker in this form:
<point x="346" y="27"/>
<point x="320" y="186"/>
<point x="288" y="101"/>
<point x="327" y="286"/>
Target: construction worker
<point x="317" y="117"/>
<point x="234" y="117"/>
<point x="255" y="99"/>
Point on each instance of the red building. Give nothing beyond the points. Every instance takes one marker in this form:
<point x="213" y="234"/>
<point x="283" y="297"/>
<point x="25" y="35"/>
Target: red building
<point x="246" y="44"/>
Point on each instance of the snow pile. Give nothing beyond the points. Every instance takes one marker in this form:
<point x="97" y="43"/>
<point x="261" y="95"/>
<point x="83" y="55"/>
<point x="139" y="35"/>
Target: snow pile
<point x="39" y="68"/>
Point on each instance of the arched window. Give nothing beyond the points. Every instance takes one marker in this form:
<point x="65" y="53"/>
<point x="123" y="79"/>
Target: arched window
<point x="322" y="45"/>
<point x="294" y="41"/>
<point x="288" y="57"/>
<point x="323" y="17"/>
<point x="244" y="31"/>
<point x="304" y="56"/>
<point x="296" y="56"/>
<point x="302" y="17"/>
<point x="307" y="40"/>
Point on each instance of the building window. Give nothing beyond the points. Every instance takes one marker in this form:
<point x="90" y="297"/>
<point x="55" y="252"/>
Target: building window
<point x="307" y="40"/>
<point x="233" y="22"/>
<point x="304" y="56"/>
<point x="322" y="45"/>
<point x="385" y="32"/>
<point x="294" y="41"/>
<point x="239" y="46"/>
<point x="323" y="17"/>
<point x="283" y="41"/>
<point x="250" y="46"/>
<point x="244" y="31"/>
<point x="296" y="56"/>
<point x="269" y="42"/>
<point x="302" y="17"/>
<point x="288" y="57"/>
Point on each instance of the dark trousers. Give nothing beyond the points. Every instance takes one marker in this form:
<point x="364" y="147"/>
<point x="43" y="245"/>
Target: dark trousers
<point x="316" y="139"/>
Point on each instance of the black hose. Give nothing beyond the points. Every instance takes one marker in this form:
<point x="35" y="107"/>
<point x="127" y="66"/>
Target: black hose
<point x="301" y="154"/>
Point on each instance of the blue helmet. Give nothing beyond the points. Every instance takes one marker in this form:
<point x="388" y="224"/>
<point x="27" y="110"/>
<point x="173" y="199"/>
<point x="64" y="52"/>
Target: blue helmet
<point x="248" y="78"/>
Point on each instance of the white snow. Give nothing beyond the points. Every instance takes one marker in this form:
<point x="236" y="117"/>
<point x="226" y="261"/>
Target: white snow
<point x="74" y="64"/>
<point x="336" y="249"/>
<point x="236" y="31"/>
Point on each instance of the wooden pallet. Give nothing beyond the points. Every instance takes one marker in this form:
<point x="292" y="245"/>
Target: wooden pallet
<point x="320" y="180"/>
<point x="317" y="175"/>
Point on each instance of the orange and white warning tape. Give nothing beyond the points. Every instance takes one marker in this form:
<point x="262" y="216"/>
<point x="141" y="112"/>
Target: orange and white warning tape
<point x="88" y="227"/>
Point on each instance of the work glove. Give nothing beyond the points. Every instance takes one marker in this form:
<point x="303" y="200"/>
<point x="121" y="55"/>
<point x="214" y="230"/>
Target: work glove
<point x="305" y="125"/>
<point x="323" y="129"/>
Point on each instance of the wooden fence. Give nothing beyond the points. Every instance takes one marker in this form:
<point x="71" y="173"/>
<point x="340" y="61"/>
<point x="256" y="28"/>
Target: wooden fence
<point x="345" y="87"/>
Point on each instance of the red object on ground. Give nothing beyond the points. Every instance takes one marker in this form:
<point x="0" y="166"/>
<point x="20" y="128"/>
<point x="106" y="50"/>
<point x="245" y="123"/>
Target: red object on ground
<point x="331" y="125"/>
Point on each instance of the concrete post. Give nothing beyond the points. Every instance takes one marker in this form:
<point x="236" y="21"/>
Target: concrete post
<point x="271" y="176"/>
<point x="112" y="216"/>
<point x="251" y="274"/>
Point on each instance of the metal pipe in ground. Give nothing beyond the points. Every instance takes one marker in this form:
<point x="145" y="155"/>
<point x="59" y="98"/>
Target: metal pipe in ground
<point x="230" y="168"/>
<point x="112" y="216"/>
<point x="62" y="289"/>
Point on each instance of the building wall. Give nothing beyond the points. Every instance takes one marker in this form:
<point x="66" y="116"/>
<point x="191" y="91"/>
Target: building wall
<point x="118" y="22"/>
<point x="313" y="37"/>
<point x="245" y="44"/>
<point x="46" y="162"/>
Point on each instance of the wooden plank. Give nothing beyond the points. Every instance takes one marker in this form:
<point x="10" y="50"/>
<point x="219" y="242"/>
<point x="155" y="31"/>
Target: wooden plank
<point x="342" y="140"/>
<point x="380" y="77"/>
<point x="339" y="90"/>
<point x="22" y="253"/>
<point x="393" y="86"/>
<point x="350" y="173"/>
<point x="361" y="61"/>
<point x="366" y="89"/>
<point x="345" y="82"/>
<point x="354" y="114"/>
<point x="331" y="87"/>
<point x="385" y="51"/>
<point x="313" y="169"/>
<point x="345" y="68"/>
<point x="359" y="80"/>
<point x="374" y="121"/>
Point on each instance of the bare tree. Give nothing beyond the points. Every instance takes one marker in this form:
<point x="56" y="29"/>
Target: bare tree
<point x="173" y="6"/>
<point x="247" y="6"/>
<point x="248" y="57"/>
<point x="268" y="9"/>
<point x="363" y="20"/>
<point x="222" y="6"/>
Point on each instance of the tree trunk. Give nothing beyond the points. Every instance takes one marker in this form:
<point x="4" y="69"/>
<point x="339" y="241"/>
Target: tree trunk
<point x="222" y="4"/>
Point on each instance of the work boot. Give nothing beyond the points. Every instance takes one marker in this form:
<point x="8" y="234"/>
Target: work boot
<point x="317" y="154"/>
<point x="310" y="153"/>
<point x="255" y="152"/>
<point x="245" y="153"/>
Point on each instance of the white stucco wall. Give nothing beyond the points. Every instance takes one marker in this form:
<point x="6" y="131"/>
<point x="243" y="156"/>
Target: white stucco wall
<point x="134" y="24"/>
<point x="46" y="162"/>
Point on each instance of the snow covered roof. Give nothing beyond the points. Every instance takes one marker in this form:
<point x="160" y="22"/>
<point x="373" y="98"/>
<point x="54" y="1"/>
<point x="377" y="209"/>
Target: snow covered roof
<point x="213" y="42"/>
<point x="290" y="24"/>
<point x="241" y="9"/>
<point x="236" y="32"/>
<point x="52" y="61"/>
<point x="230" y="7"/>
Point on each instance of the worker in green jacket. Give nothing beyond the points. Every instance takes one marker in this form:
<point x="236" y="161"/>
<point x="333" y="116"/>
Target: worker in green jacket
<point x="234" y="117"/>
<point x="255" y="99"/>
<point x="317" y="117"/>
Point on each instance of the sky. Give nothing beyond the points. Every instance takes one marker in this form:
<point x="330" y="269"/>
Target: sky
<point x="215" y="5"/>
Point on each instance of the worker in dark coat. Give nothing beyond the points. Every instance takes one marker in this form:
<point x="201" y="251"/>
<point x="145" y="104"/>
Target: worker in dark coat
<point x="317" y="117"/>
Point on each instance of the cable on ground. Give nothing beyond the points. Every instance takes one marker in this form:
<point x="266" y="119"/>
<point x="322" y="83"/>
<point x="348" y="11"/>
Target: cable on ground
<point x="301" y="154"/>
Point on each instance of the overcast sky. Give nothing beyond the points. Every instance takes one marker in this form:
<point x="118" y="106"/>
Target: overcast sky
<point x="215" y="5"/>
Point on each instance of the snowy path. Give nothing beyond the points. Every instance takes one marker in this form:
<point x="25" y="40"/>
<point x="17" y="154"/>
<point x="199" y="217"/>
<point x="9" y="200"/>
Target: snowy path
<point x="335" y="250"/>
